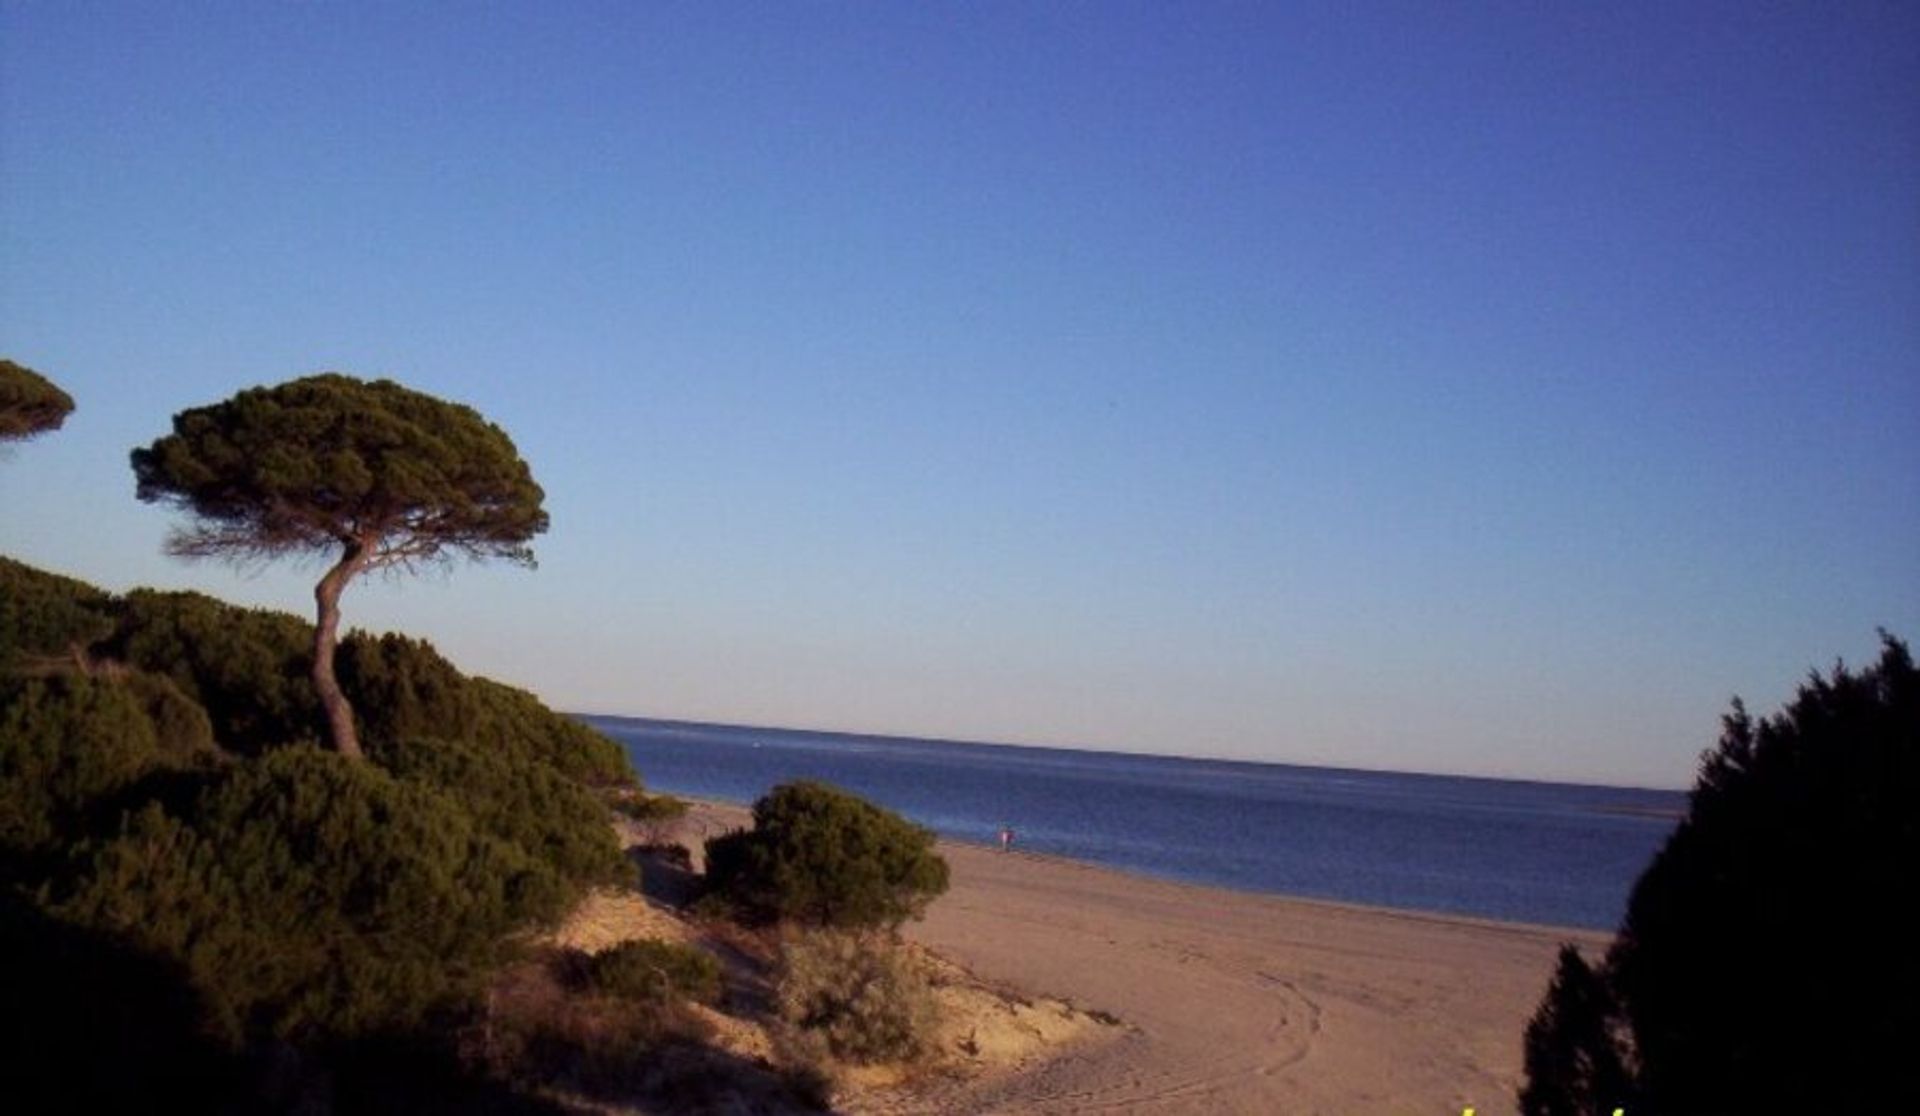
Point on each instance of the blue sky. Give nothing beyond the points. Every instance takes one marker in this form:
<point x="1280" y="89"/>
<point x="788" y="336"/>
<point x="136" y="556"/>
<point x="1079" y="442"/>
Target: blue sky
<point x="1476" y="388"/>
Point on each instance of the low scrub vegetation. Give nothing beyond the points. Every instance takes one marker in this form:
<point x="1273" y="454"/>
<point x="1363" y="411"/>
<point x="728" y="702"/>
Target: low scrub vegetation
<point x="819" y="856"/>
<point x="651" y="807"/>
<point x="654" y="970"/>
<point x="861" y="994"/>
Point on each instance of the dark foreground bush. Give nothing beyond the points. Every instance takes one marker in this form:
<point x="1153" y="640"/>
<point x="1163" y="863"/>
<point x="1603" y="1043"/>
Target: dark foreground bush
<point x="1766" y="961"/>
<point x="819" y="855"/>
<point x="655" y="970"/>
<point x="89" y="1024"/>
<point x="312" y="896"/>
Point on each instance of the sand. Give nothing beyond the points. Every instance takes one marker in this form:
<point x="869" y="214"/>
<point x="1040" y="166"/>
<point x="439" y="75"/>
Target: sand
<point x="1242" y="1003"/>
<point x="1227" y="1002"/>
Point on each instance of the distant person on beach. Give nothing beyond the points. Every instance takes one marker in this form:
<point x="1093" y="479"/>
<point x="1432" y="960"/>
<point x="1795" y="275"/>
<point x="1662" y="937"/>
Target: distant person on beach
<point x="1006" y="838"/>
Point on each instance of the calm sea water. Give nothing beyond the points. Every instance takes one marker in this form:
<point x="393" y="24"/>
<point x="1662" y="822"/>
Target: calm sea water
<point x="1551" y="853"/>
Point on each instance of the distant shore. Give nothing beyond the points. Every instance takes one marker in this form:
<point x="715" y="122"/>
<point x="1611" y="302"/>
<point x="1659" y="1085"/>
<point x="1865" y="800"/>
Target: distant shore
<point x="1234" y="1002"/>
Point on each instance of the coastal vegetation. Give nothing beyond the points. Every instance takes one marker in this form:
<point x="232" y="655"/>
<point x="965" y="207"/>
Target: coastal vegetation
<point x="863" y="1001"/>
<point x="164" y="811"/>
<point x="834" y="876"/>
<point x="295" y="870"/>
<point x="651" y="969"/>
<point x="819" y="856"/>
<point x="1765" y="948"/>
<point x="373" y="475"/>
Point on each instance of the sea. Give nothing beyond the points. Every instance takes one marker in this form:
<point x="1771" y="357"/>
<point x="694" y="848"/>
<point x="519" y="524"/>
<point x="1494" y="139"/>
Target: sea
<point x="1557" y="854"/>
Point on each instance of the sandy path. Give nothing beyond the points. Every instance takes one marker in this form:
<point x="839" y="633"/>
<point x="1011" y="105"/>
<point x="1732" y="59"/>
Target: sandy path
<point x="1243" y="1003"/>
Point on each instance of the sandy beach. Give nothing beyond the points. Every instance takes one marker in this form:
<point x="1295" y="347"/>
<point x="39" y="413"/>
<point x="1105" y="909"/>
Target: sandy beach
<point x="1231" y="1002"/>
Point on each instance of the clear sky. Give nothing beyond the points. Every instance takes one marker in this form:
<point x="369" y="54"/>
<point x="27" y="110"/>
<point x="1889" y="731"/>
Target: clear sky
<point x="1488" y="388"/>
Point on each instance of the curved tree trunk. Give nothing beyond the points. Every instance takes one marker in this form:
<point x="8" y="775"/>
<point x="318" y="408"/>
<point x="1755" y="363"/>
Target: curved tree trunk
<point x="326" y="636"/>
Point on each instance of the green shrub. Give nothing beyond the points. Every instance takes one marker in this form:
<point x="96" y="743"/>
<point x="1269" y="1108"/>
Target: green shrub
<point x="401" y="687"/>
<point x="864" y="995"/>
<point x="312" y="895"/>
<point x="249" y="670"/>
<point x="822" y="856"/>
<point x="655" y="970"/>
<point x="66" y="742"/>
<point x="517" y="799"/>
<point x="582" y="754"/>
<point x="44" y="615"/>
<point x="181" y="729"/>
<point x="247" y="667"/>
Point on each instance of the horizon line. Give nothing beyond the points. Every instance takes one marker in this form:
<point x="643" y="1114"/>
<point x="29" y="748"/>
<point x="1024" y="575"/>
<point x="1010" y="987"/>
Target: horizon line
<point x="1110" y="751"/>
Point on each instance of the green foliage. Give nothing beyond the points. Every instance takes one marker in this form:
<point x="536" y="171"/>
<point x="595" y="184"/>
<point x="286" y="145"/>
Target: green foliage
<point x="246" y="666"/>
<point x="864" y="995"/>
<point x="44" y="615"/>
<point x="30" y="404"/>
<point x="182" y="732"/>
<point x="1765" y="960"/>
<point x="820" y="855"/>
<point x="402" y="688"/>
<point x="655" y="970"/>
<point x="518" y="800"/>
<point x="309" y="895"/>
<point x="304" y="464"/>
<point x="210" y="905"/>
<point x="66" y="742"/>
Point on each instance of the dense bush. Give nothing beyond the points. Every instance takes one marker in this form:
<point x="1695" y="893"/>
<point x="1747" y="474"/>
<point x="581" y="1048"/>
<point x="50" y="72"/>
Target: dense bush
<point x="582" y="754"/>
<point x="246" y="666"/>
<point x="817" y="854"/>
<point x="67" y="742"/>
<point x="311" y="895"/>
<point x="526" y="802"/>
<point x="181" y="730"/>
<point x="865" y="996"/>
<point x="44" y="615"/>
<point x="401" y="687"/>
<point x="249" y="670"/>
<point x="655" y="970"/>
<point x="1765" y="963"/>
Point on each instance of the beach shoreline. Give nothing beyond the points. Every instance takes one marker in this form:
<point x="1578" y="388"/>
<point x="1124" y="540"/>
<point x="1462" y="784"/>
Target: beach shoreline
<point x="1231" y="1001"/>
<point x="739" y="814"/>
